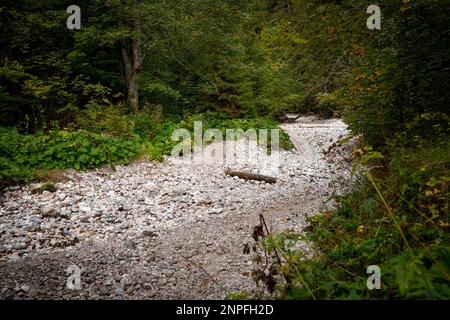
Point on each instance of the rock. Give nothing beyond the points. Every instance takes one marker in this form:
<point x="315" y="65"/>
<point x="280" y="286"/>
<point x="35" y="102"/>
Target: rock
<point x="61" y="196"/>
<point x="149" y="233"/>
<point x="75" y="200"/>
<point x="179" y="191"/>
<point x="25" y="288"/>
<point x="216" y="211"/>
<point x="108" y="282"/>
<point x="12" y="208"/>
<point x="13" y="257"/>
<point x="19" y="246"/>
<point x="49" y="212"/>
<point x="64" y="213"/>
<point x="97" y="214"/>
<point x="47" y="196"/>
<point x="129" y="244"/>
<point x="143" y="224"/>
<point x="35" y="220"/>
<point x="150" y="187"/>
<point x="83" y="208"/>
<point x="125" y="280"/>
<point x="85" y="220"/>
<point x="120" y="292"/>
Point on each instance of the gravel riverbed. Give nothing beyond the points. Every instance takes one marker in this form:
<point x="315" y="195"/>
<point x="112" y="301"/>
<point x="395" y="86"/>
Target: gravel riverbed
<point x="165" y="230"/>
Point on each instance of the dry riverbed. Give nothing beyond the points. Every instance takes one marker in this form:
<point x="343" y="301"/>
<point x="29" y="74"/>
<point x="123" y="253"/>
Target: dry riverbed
<point x="164" y="230"/>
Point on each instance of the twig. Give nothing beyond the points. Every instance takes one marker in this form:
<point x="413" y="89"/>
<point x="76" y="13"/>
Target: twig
<point x="263" y="222"/>
<point x="207" y="273"/>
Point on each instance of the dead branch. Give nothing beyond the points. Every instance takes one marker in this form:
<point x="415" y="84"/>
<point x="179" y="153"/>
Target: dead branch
<point x="250" y="176"/>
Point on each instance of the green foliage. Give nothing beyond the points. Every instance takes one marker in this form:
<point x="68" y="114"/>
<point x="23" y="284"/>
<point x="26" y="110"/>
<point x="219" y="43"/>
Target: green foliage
<point x="236" y="64"/>
<point x="390" y="87"/>
<point x="21" y="154"/>
<point x="106" y="119"/>
<point x="47" y="186"/>
<point x="238" y="296"/>
<point x="399" y="76"/>
<point x="113" y="137"/>
<point x="223" y="122"/>
<point x="160" y="142"/>
<point x="44" y="76"/>
<point x="398" y="220"/>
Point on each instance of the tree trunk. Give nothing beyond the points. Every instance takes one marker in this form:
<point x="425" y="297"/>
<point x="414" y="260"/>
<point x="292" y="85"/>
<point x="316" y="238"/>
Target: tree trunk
<point x="133" y="93"/>
<point x="133" y="61"/>
<point x="250" y="176"/>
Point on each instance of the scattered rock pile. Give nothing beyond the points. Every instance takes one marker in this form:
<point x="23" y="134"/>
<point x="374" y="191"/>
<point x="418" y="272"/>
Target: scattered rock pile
<point x="163" y="230"/>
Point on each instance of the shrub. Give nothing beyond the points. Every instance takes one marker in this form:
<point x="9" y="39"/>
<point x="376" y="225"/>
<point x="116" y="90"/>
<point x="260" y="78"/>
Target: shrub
<point x="105" y="119"/>
<point x="398" y="219"/>
<point x="21" y="154"/>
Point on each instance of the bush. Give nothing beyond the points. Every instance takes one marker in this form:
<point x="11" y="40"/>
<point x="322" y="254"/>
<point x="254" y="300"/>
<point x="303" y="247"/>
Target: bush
<point x="21" y="154"/>
<point x="222" y="122"/>
<point x="116" y="138"/>
<point x="105" y="119"/>
<point x="398" y="219"/>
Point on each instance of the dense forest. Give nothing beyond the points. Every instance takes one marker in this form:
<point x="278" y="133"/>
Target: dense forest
<point x="114" y="90"/>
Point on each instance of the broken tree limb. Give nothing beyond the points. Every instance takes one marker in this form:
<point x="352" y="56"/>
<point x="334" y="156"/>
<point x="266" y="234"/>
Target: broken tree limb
<point x="250" y="176"/>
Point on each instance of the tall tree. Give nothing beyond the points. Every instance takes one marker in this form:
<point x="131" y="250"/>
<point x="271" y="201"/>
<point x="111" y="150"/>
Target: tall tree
<point x="133" y="53"/>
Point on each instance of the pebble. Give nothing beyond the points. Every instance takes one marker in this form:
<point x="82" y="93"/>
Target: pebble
<point x="133" y="207"/>
<point x="216" y="211"/>
<point x="25" y="288"/>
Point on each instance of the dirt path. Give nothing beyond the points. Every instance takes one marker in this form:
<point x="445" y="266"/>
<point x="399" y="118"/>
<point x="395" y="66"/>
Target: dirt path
<point x="162" y="231"/>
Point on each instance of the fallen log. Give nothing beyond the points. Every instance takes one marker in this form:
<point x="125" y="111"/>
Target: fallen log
<point x="250" y="176"/>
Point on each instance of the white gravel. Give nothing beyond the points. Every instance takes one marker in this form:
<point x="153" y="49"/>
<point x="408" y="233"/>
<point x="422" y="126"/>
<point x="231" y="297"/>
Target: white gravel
<point x="161" y="230"/>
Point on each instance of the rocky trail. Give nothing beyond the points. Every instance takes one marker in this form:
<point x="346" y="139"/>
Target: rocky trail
<point x="164" y="230"/>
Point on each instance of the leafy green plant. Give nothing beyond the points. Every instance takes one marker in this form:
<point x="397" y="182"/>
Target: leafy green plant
<point x="47" y="186"/>
<point x="117" y="137"/>
<point x="59" y="149"/>
<point x="397" y="219"/>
